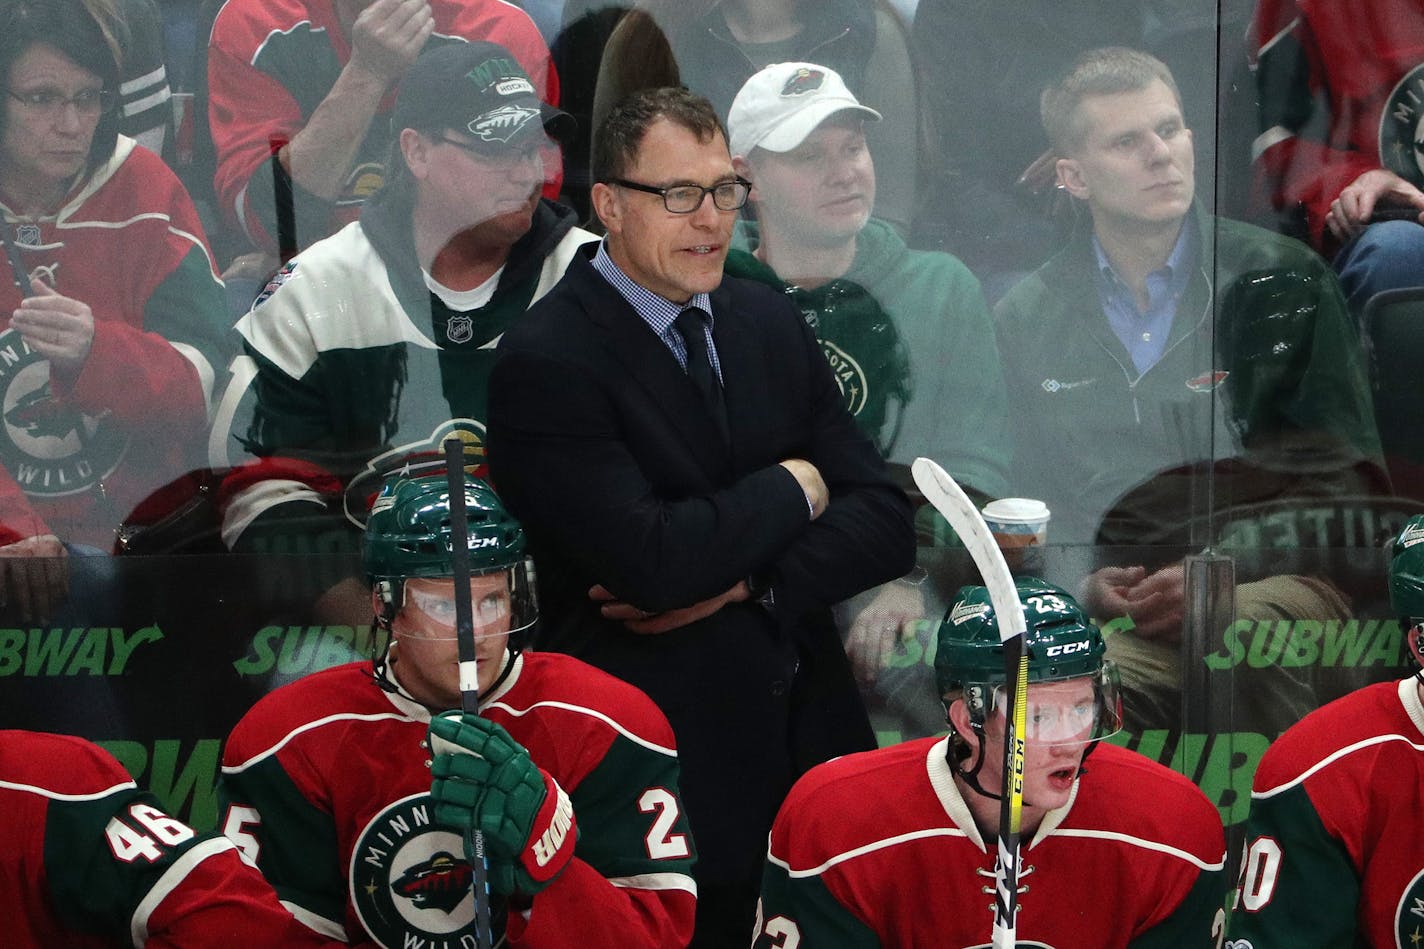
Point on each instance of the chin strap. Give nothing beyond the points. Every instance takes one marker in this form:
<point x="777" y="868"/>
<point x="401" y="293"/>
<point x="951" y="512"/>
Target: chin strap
<point x="958" y="750"/>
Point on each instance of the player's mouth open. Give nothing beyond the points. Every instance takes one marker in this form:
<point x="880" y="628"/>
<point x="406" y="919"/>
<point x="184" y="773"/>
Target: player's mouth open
<point x="701" y="249"/>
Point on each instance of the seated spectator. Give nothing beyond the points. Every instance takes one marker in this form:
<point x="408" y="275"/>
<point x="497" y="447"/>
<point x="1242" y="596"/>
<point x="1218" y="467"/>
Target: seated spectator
<point x="1165" y="349"/>
<point x="714" y="46"/>
<point x="300" y="94"/>
<point x="87" y="859"/>
<point x="111" y="328"/>
<point x="145" y="102"/>
<point x="1163" y="337"/>
<point x="907" y="333"/>
<point x="988" y="194"/>
<point x="896" y="847"/>
<point x="444" y="259"/>
<point x="571" y="773"/>
<point x="1339" y="142"/>
<point x="1324" y="863"/>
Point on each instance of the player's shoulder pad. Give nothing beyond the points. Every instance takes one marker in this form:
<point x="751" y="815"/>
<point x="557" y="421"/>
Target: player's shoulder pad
<point x="843" y="804"/>
<point x="59" y="764"/>
<point x="1134" y="795"/>
<point x="1343" y="735"/>
<point x="302" y="708"/>
<point x="587" y="698"/>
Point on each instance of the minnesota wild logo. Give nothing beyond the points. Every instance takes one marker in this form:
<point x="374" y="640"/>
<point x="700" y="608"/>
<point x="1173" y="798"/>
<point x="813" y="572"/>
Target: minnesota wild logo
<point x="1401" y="132"/>
<point x="1409" y="917"/>
<point x="803" y="81"/>
<point x="48" y="444"/>
<point x="411" y="460"/>
<point x="407" y="884"/>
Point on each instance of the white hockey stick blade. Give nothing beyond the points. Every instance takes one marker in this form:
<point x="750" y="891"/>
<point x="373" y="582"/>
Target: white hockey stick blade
<point x="950" y="500"/>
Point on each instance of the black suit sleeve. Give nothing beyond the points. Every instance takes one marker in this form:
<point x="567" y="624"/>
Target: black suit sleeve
<point x="866" y="535"/>
<point x="561" y="458"/>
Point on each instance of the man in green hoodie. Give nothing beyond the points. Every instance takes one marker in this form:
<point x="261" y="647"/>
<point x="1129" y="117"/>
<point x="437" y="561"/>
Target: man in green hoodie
<point x="907" y="333"/>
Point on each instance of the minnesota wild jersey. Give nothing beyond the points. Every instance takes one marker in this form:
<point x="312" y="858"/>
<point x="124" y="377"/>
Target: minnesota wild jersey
<point x="879" y="849"/>
<point x="352" y="365"/>
<point x="1332" y="855"/>
<point x="87" y="859"/>
<point x="327" y="786"/>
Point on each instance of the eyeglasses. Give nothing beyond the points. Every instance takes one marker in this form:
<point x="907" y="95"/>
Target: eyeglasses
<point x="684" y="199"/>
<point x="498" y="155"/>
<point x="52" y="102"/>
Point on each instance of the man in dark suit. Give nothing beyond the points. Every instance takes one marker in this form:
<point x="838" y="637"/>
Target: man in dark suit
<point x="695" y="492"/>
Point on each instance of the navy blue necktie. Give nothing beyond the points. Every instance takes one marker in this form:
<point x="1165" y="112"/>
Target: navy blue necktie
<point x="690" y="326"/>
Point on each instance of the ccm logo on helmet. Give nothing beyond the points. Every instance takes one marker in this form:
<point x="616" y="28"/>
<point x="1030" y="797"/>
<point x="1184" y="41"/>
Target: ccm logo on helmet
<point x="1066" y="649"/>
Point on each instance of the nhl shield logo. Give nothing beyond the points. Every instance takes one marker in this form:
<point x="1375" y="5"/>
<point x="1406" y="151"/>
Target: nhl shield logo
<point x="460" y="328"/>
<point x="48" y="445"/>
<point x="410" y="883"/>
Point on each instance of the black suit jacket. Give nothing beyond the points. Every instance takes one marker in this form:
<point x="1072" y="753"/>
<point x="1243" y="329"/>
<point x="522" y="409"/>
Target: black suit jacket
<point x="600" y="444"/>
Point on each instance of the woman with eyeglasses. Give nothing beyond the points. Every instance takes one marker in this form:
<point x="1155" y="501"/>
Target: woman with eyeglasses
<point x="110" y="312"/>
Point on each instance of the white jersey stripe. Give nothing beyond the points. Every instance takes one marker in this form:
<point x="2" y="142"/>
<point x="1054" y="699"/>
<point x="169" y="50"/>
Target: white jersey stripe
<point x="1141" y="842"/>
<point x="318" y="924"/>
<point x="612" y="723"/>
<point x="56" y="796"/>
<point x="311" y="726"/>
<point x="868" y="848"/>
<point x="657" y="881"/>
<point x="171" y="879"/>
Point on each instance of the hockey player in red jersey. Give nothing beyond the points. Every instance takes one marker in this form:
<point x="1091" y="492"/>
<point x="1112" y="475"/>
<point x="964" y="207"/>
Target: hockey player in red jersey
<point x="327" y="782"/>
<point x="89" y="860"/>
<point x="895" y="847"/>
<point x="1329" y="859"/>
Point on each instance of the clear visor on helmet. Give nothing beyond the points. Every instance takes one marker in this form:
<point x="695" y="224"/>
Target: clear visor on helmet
<point x="1066" y="711"/>
<point x="501" y="601"/>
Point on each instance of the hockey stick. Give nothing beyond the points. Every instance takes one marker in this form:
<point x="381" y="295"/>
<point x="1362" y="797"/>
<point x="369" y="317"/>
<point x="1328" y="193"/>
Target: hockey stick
<point x="951" y="501"/>
<point x="469" y="668"/>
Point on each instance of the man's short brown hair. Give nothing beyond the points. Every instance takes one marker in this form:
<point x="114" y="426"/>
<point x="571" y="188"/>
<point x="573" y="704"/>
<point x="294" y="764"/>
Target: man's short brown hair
<point x="1109" y="70"/>
<point x="615" y="146"/>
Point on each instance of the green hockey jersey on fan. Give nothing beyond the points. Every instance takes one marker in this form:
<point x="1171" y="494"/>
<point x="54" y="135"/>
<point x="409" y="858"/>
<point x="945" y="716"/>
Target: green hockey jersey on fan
<point x="909" y="337"/>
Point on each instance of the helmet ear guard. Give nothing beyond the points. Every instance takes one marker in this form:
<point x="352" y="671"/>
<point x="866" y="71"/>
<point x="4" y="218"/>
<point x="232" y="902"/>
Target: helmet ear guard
<point x="1063" y="645"/>
<point x="408" y="536"/>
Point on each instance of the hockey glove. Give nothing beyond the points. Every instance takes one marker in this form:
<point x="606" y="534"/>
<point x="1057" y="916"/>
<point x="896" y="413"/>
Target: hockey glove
<point x="485" y="780"/>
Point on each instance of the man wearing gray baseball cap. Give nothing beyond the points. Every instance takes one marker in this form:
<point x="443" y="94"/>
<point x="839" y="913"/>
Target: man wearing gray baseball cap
<point x="375" y="343"/>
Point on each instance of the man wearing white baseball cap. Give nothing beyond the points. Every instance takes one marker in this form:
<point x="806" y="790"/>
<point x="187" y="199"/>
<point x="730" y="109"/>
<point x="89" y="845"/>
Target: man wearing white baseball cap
<point x="907" y="332"/>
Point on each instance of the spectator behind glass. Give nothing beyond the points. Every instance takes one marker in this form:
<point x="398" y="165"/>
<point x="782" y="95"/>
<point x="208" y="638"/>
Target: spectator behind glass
<point x="374" y="343"/>
<point x="989" y="195"/>
<point x="1340" y="134"/>
<point x="145" y="102"/>
<point x="713" y="46"/>
<point x="907" y="333"/>
<point x="111" y="329"/>
<point x="311" y="81"/>
<point x="1164" y="347"/>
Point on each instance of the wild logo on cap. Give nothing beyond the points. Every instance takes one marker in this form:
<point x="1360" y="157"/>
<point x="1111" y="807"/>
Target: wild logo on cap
<point x="803" y="81"/>
<point x="502" y="124"/>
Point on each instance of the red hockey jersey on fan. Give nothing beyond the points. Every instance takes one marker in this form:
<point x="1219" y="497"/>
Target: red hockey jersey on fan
<point x="1365" y="61"/>
<point x="78" y="454"/>
<point x="86" y="859"/>
<point x="326" y="784"/>
<point x="1332" y="855"/>
<point x="879" y="850"/>
<point x="272" y="62"/>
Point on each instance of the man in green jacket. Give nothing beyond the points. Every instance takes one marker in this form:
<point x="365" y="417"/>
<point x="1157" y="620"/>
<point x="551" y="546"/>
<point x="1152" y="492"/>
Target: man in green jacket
<point x="907" y="333"/>
<point x="1162" y="344"/>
